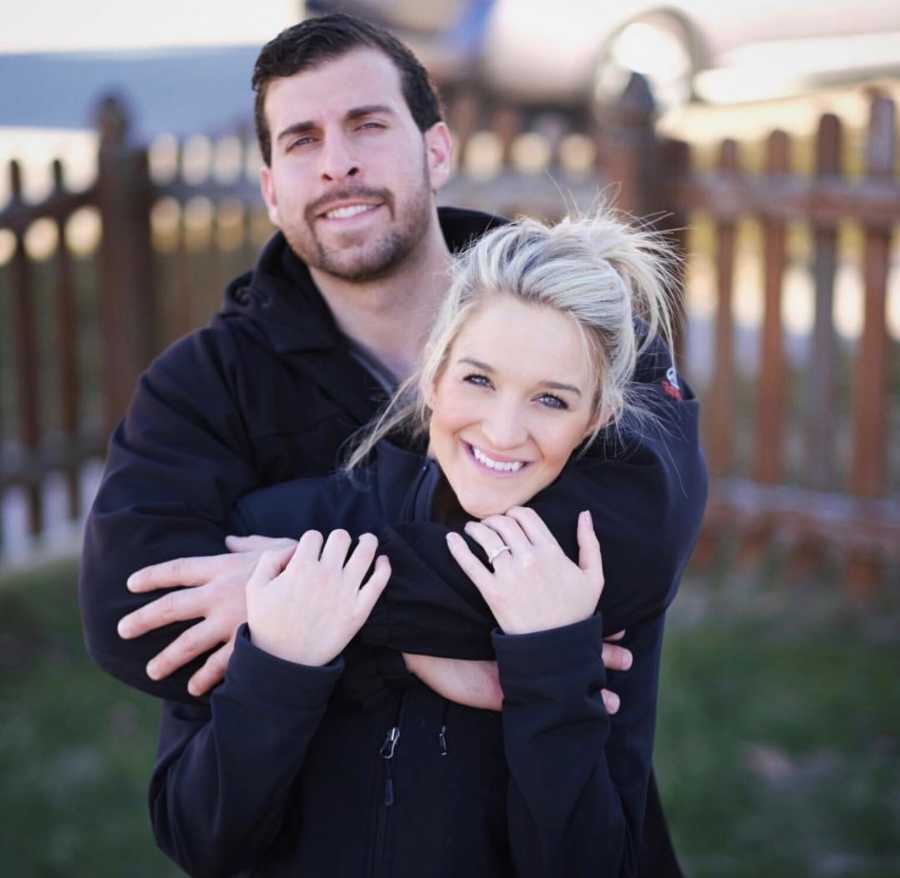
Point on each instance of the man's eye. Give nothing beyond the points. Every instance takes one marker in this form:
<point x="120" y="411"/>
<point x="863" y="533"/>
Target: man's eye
<point x="374" y="125"/>
<point x="552" y="401"/>
<point x="300" y="142"/>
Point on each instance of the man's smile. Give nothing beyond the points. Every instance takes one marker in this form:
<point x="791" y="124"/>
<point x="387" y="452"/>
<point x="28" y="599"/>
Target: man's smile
<point x="348" y="210"/>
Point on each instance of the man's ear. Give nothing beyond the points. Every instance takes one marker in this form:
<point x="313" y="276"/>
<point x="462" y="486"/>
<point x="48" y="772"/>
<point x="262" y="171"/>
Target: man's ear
<point x="439" y="151"/>
<point x="267" y="188"/>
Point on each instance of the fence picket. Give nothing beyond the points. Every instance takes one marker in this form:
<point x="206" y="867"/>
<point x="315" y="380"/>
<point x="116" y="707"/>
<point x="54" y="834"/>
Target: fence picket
<point x="870" y="388"/>
<point x="821" y="378"/>
<point x="721" y="400"/>
<point x="769" y="443"/>
<point x="27" y="362"/>
<point x="67" y="365"/>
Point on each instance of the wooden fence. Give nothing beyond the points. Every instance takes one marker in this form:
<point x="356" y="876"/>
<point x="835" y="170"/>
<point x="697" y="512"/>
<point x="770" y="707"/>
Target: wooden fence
<point x="169" y="241"/>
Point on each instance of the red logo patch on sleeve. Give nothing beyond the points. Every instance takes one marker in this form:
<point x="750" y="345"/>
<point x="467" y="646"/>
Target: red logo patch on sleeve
<point x="671" y="386"/>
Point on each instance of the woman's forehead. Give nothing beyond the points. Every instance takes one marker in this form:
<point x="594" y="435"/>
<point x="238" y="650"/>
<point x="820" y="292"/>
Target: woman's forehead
<point x="535" y="341"/>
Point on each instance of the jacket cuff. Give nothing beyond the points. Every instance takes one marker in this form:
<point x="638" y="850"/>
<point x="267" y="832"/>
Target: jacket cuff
<point x="553" y="651"/>
<point x="264" y="677"/>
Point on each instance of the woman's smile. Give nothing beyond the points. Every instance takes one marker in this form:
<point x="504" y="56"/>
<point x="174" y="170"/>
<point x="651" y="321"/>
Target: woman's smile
<point x="494" y="464"/>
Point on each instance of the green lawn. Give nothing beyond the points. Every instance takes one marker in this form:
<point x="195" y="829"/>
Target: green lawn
<point x="778" y="741"/>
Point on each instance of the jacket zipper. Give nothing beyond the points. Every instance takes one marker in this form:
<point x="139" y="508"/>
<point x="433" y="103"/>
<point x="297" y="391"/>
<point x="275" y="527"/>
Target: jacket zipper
<point x="442" y="734"/>
<point x="387" y="752"/>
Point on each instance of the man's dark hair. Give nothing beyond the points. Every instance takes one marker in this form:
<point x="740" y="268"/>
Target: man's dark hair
<point x="312" y="42"/>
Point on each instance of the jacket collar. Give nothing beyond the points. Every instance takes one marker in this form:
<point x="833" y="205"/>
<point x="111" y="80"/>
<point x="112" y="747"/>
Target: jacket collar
<point x="281" y="301"/>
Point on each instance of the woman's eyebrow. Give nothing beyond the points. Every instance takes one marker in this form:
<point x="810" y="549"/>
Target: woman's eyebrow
<point x="553" y="385"/>
<point x="559" y="385"/>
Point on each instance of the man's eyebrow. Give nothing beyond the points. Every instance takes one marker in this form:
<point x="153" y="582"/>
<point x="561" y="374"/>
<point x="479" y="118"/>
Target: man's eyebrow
<point x="553" y="385"/>
<point x="355" y="113"/>
<point x="368" y="110"/>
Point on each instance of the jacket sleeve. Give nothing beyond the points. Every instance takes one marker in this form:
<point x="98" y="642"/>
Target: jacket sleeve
<point x="226" y="770"/>
<point x="176" y="465"/>
<point x="578" y="777"/>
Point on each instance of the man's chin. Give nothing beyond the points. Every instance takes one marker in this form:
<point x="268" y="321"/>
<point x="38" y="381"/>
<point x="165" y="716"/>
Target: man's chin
<point x="360" y="264"/>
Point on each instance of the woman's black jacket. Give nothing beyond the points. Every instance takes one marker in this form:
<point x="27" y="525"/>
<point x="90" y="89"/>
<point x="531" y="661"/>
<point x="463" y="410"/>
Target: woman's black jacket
<point x="356" y="769"/>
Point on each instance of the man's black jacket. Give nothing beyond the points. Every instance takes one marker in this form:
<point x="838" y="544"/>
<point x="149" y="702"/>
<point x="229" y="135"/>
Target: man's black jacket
<point x="266" y="393"/>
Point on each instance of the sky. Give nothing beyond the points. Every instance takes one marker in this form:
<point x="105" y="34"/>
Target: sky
<point x="73" y="25"/>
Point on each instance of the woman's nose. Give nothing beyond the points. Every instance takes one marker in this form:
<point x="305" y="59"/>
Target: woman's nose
<point x="505" y="428"/>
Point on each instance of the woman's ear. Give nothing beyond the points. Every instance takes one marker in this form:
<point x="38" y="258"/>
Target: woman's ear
<point x="426" y="391"/>
<point x="598" y="422"/>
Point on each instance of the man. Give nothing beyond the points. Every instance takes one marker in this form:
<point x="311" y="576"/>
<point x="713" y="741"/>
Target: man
<point x="300" y="357"/>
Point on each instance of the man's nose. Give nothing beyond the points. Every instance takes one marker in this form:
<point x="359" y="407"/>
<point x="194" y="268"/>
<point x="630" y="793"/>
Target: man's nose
<point x="338" y="160"/>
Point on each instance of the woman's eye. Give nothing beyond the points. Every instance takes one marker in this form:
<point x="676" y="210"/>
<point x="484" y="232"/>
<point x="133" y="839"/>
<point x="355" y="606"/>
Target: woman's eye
<point x="552" y="401"/>
<point x="478" y="380"/>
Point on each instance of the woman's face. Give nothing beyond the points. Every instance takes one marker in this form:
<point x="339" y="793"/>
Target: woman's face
<point x="513" y="402"/>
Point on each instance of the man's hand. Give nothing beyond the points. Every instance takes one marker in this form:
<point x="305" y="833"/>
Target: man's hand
<point x="472" y="683"/>
<point x="477" y="683"/>
<point x="215" y="594"/>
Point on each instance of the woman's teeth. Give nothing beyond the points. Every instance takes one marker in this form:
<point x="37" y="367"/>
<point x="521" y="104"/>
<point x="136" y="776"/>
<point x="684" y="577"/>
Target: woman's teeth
<point x="503" y="467"/>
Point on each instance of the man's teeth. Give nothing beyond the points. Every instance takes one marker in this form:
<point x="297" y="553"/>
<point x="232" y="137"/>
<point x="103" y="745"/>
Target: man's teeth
<point x="510" y="467"/>
<point x="351" y="210"/>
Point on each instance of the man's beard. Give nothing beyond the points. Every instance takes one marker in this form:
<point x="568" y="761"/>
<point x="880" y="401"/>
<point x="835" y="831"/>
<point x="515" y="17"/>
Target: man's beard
<point x="375" y="255"/>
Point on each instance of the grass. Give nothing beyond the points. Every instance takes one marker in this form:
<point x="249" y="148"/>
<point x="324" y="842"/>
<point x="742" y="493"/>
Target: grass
<point x="779" y="729"/>
<point x="76" y="747"/>
<point x="777" y="747"/>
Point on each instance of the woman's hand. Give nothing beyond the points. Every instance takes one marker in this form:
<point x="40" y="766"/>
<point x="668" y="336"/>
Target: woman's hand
<point x="533" y="586"/>
<point x="305" y="604"/>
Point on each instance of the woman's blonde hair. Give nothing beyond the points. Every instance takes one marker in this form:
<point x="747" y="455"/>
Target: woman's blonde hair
<point x="613" y="280"/>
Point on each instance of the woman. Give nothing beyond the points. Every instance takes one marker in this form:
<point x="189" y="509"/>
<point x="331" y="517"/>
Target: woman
<point x="531" y="359"/>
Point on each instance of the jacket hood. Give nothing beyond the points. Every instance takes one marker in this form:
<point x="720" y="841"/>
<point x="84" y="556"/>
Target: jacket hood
<point x="279" y="302"/>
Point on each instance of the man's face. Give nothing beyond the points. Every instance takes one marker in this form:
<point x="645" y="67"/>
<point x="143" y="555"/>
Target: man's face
<point x="351" y="178"/>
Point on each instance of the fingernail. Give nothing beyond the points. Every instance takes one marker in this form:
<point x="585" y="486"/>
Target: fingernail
<point x="123" y="629"/>
<point x="152" y="671"/>
<point x="611" y="700"/>
<point x="129" y="583"/>
<point x="626" y="660"/>
<point x="453" y="536"/>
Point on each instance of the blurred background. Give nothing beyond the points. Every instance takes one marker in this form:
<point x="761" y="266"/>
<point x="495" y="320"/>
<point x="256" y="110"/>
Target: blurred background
<point x="762" y="136"/>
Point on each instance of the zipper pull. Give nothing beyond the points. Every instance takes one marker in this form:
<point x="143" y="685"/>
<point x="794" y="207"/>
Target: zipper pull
<point x="442" y="740"/>
<point x="387" y="753"/>
<point x="390" y="743"/>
